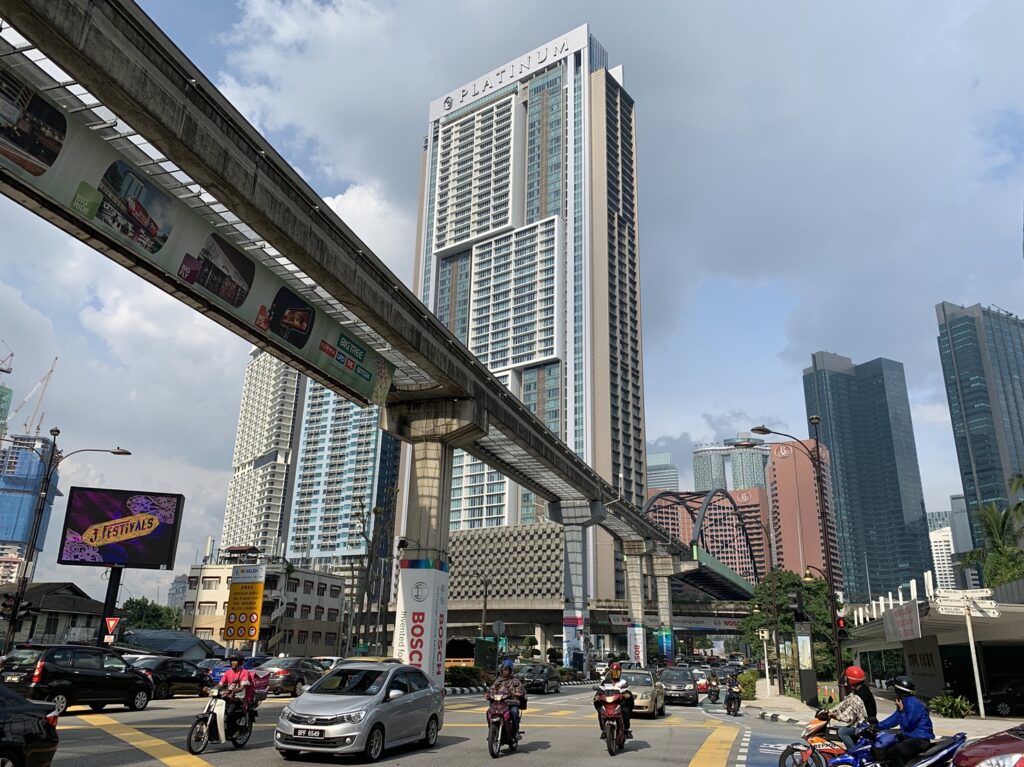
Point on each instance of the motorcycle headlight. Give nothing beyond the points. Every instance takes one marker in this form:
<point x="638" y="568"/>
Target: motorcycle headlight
<point x="1003" y="760"/>
<point x="354" y="718"/>
<point x="645" y="696"/>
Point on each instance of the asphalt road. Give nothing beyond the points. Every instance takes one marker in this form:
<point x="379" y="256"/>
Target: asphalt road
<point x="560" y="729"/>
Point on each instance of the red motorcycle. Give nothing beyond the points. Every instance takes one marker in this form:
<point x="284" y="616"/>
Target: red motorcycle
<point x="818" y="744"/>
<point x="501" y="727"/>
<point x="610" y="713"/>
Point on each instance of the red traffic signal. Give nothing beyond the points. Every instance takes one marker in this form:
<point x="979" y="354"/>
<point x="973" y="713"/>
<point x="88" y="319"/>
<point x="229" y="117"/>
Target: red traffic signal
<point x="841" y="628"/>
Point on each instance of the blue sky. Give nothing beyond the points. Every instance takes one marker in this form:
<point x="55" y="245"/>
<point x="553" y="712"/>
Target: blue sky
<point x="812" y="176"/>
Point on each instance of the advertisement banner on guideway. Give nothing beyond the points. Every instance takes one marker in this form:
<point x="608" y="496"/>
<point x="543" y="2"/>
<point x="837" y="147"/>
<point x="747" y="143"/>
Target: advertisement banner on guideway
<point x="421" y="617"/>
<point x="72" y="165"/>
<point x="636" y="643"/>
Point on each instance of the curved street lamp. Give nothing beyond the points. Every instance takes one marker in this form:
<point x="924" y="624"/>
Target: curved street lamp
<point x="816" y="462"/>
<point x="52" y="460"/>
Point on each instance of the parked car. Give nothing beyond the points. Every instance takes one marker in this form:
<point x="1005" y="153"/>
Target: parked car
<point x="540" y="677"/>
<point x="1007" y="700"/>
<point x="292" y="675"/>
<point x="28" y="731"/>
<point x="210" y="663"/>
<point x="133" y="658"/>
<point x="221" y="665"/>
<point x="173" y="676"/>
<point x="680" y="686"/>
<point x="365" y="659"/>
<point x="1009" y="745"/>
<point x="362" y="708"/>
<point x="66" y="675"/>
<point x="601" y="667"/>
<point x="648" y="693"/>
<point x="328" y="661"/>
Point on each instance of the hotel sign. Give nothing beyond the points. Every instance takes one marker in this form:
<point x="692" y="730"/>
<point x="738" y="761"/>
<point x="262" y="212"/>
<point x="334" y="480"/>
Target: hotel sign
<point x="517" y="69"/>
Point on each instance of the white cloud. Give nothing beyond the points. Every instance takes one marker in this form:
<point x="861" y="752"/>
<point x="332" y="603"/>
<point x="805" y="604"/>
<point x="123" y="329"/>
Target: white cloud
<point x="931" y="413"/>
<point x="387" y="228"/>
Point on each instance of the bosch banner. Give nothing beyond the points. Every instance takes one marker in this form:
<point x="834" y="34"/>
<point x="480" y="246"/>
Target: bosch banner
<point x="421" y="617"/>
<point x="636" y="643"/>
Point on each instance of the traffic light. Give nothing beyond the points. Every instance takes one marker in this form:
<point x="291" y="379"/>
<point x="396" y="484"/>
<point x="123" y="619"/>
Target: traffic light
<point x="26" y="610"/>
<point x="6" y="605"/>
<point x="796" y="604"/>
<point x="841" y="629"/>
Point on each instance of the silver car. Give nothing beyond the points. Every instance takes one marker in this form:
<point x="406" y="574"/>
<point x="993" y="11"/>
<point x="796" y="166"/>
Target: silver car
<point x="362" y="708"/>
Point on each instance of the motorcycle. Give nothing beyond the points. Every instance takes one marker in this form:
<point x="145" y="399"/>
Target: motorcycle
<point x="713" y="693"/>
<point x="941" y="752"/>
<point x="212" y="726"/>
<point x="613" y="723"/>
<point x="818" y="744"/>
<point x="732" y="700"/>
<point x="501" y="728"/>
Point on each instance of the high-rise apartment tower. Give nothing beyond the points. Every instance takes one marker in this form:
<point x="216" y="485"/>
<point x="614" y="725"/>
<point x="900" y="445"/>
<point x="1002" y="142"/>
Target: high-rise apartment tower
<point x="528" y="250"/>
<point x="736" y="463"/>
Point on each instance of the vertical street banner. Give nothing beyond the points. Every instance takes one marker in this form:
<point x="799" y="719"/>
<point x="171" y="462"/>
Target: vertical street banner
<point x="666" y="645"/>
<point x="245" y="603"/>
<point x="637" y="643"/>
<point x="421" y="617"/>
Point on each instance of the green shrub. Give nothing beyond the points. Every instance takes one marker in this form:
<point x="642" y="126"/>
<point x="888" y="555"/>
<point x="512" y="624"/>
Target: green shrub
<point x="566" y="674"/>
<point x="748" y="684"/>
<point x="487" y="678"/>
<point x="951" y="706"/>
<point x="463" y="676"/>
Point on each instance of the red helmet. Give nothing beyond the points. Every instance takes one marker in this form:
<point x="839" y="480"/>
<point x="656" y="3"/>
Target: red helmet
<point x="615" y="666"/>
<point x="855" y="674"/>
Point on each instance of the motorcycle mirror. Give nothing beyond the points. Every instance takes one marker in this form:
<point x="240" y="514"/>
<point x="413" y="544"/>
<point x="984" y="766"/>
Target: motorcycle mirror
<point x="830" y="700"/>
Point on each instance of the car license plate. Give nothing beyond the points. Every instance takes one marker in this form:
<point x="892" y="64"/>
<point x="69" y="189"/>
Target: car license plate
<point x="301" y="732"/>
<point x="11" y="678"/>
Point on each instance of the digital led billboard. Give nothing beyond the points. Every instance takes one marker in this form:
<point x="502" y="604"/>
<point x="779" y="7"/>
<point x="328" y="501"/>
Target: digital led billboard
<point x="130" y="528"/>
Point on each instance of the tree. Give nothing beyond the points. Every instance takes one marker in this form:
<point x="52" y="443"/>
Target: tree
<point x="772" y="597"/>
<point x="1002" y="558"/>
<point x="142" y="613"/>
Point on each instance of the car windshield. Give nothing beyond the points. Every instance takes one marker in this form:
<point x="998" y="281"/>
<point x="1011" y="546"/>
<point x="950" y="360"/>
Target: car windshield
<point x="148" y="663"/>
<point x="23" y="657"/>
<point x="634" y="679"/>
<point x="350" y="681"/>
<point x="676" y="675"/>
<point x="209" y="663"/>
<point x="532" y="669"/>
<point x="280" y="663"/>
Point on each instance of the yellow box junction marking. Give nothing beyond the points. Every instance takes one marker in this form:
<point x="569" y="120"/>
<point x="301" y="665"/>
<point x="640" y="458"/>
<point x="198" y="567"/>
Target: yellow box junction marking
<point x="715" y="750"/>
<point x="172" y="756"/>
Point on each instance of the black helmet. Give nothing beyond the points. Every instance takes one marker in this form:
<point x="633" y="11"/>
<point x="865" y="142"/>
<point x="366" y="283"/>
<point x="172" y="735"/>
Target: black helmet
<point x="904" y="685"/>
<point x="236" y="656"/>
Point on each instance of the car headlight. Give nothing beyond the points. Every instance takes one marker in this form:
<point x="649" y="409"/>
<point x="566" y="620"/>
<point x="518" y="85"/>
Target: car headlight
<point x="689" y="687"/>
<point x="1003" y="760"/>
<point x="286" y="711"/>
<point x="645" y="696"/>
<point x="354" y="718"/>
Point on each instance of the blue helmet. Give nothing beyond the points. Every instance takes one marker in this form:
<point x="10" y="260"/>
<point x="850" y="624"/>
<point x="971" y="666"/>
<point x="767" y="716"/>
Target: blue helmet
<point x="506" y="664"/>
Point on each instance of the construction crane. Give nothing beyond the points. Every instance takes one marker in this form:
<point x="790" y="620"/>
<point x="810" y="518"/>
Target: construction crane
<point x="7" y="363"/>
<point x="42" y="382"/>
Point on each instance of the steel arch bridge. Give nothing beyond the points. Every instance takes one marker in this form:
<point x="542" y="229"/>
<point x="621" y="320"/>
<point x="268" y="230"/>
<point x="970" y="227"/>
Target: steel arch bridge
<point x="715" y="525"/>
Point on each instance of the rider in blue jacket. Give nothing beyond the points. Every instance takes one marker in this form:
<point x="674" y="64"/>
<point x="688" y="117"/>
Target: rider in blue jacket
<point x="916" y="733"/>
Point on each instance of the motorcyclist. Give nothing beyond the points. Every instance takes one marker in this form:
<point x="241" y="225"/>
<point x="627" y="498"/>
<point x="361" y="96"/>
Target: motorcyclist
<point x="857" y="707"/>
<point x="732" y="686"/>
<point x="236" y="679"/>
<point x="614" y="679"/>
<point x="510" y="685"/>
<point x="916" y="732"/>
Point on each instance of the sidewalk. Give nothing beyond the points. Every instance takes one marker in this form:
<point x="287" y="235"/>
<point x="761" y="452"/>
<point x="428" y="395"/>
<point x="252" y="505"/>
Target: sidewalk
<point x="782" y="708"/>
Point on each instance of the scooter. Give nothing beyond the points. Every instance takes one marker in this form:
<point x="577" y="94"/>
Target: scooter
<point x="818" y="744"/>
<point x="941" y="752"/>
<point x="612" y="721"/>
<point x="211" y="726"/>
<point x="732" y="700"/>
<point x="713" y="693"/>
<point x="501" y="727"/>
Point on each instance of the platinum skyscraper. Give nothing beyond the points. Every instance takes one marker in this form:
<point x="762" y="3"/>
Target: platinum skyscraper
<point x="528" y="249"/>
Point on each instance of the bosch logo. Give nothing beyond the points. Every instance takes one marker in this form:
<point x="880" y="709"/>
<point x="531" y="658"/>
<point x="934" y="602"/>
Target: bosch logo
<point x="420" y="591"/>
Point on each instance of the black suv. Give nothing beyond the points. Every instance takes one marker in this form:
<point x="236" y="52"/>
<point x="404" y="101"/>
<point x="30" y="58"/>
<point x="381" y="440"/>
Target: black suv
<point x="67" y="675"/>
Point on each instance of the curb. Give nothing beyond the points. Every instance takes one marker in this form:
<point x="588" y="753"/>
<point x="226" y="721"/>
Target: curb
<point x="771" y="716"/>
<point x="481" y="690"/>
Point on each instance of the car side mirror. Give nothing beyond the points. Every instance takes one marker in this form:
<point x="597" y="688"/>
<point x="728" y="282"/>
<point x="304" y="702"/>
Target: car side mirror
<point x="395" y="694"/>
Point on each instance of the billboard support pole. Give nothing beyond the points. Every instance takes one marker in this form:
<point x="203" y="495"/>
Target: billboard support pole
<point x="109" y="603"/>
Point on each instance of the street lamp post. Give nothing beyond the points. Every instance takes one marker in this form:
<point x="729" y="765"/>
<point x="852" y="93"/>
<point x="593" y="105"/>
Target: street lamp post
<point x="53" y="460"/>
<point x="815" y="458"/>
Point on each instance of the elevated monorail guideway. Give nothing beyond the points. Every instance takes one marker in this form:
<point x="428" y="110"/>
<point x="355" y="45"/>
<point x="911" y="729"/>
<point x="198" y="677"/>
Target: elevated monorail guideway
<point x="108" y="131"/>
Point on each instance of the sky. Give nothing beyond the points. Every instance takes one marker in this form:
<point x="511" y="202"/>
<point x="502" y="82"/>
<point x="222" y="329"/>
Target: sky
<point x="813" y="176"/>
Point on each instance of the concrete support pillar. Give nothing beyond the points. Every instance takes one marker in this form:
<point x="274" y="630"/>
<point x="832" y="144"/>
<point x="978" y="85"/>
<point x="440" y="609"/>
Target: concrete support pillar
<point x="663" y="570"/>
<point x="421" y="616"/>
<point x="635" y="552"/>
<point x="576" y="517"/>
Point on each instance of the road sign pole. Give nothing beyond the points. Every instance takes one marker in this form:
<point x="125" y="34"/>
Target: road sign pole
<point x="974" y="657"/>
<point x="767" y="673"/>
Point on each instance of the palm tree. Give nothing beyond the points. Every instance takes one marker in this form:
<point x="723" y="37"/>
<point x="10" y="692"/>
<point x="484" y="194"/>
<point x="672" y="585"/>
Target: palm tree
<point x="1002" y="557"/>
